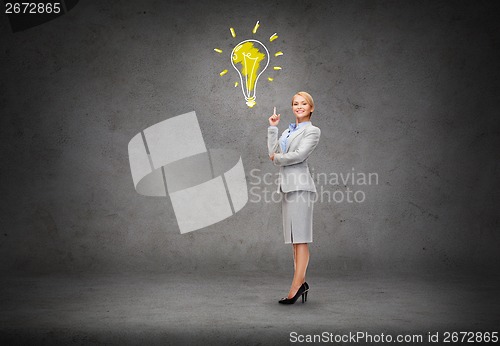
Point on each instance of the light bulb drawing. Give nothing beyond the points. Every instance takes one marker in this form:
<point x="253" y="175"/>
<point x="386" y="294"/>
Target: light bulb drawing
<point x="248" y="58"/>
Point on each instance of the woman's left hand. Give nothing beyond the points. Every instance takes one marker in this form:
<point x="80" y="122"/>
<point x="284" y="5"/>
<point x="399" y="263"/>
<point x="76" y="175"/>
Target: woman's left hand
<point x="271" y="157"/>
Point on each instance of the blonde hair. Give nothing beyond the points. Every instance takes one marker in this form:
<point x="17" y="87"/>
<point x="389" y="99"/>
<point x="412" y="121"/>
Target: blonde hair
<point x="308" y="98"/>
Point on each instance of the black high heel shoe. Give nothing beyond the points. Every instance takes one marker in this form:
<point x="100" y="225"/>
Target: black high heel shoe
<point x="307" y="290"/>
<point x="301" y="292"/>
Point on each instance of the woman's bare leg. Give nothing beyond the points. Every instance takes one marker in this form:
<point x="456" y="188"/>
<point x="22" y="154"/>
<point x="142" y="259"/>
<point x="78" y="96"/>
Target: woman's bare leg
<point x="294" y="256"/>
<point x="301" y="252"/>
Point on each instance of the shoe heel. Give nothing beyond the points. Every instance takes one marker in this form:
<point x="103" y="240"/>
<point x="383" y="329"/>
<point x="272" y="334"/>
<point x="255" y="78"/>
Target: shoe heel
<point x="306" y="295"/>
<point x="303" y="295"/>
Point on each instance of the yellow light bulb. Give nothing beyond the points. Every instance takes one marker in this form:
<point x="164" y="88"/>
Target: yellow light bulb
<point x="249" y="58"/>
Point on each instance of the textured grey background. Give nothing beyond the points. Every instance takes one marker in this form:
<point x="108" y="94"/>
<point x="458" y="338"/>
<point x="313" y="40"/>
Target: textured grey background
<point x="408" y="90"/>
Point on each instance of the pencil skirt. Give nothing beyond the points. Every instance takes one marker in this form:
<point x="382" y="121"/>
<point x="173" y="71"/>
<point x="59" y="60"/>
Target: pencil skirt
<point x="297" y="211"/>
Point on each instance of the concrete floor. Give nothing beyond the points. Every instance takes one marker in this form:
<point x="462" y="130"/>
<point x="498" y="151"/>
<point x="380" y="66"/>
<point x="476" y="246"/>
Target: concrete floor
<point x="239" y="308"/>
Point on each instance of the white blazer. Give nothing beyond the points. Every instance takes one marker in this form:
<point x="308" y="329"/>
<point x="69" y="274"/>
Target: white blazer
<point x="294" y="172"/>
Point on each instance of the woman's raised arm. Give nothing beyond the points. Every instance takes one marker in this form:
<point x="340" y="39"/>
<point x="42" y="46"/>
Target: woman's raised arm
<point x="272" y="134"/>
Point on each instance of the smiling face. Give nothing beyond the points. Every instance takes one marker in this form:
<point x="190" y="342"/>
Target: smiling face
<point x="301" y="108"/>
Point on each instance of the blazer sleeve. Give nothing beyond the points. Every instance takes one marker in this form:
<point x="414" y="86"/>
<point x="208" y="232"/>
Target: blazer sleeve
<point x="306" y="146"/>
<point x="272" y="140"/>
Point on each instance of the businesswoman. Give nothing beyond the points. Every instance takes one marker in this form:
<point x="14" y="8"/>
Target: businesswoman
<point x="290" y="153"/>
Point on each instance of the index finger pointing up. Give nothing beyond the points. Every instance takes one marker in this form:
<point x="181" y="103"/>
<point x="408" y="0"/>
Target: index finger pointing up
<point x="274" y="111"/>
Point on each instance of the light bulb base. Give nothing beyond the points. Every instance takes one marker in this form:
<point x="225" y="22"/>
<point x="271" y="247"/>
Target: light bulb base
<point x="250" y="101"/>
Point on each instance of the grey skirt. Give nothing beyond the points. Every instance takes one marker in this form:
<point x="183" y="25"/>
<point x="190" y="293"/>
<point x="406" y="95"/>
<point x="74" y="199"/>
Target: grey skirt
<point x="297" y="210"/>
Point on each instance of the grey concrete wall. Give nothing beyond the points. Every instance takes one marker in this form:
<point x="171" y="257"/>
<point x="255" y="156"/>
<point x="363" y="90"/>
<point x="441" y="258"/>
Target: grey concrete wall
<point x="406" y="90"/>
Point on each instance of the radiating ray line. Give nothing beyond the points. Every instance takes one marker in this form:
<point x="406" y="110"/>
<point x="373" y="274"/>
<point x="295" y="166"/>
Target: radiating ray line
<point x="278" y="53"/>
<point x="277" y="68"/>
<point x="235" y="84"/>
<point x="223" y="73"/>
<point x="270" y="79"/>
<point x="218" y="50"/>
<point x="233" y="33"/>
<point x="273" y="37"/>
<point x="255" y="27"/>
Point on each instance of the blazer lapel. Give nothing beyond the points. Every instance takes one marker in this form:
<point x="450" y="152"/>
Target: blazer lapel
<point x="294" y="135"/>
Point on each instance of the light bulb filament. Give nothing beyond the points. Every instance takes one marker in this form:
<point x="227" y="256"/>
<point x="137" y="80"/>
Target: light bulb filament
<point x="250" y="72"/>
